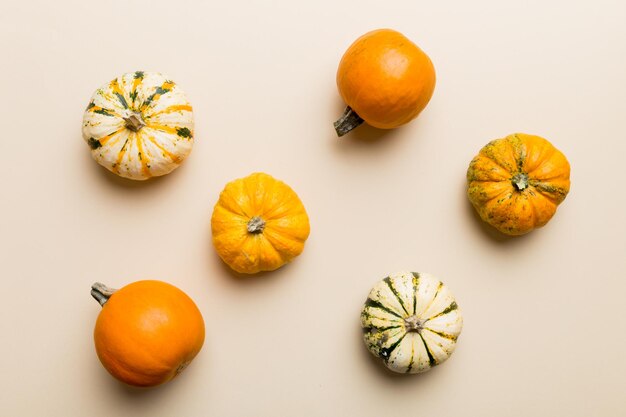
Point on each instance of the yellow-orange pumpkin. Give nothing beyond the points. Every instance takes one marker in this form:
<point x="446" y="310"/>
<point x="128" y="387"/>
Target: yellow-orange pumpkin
<point x="385" y="79"/>
<point x="258" y="224"/>
<point x="516" y="183"/>
<point x="147" y="332"/>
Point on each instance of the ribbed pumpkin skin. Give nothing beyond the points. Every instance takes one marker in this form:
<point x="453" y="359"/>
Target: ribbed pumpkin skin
<point x="385" y="78"/>
<point x="148" y="332"/>
<point x="286" y="224"/>
<point x="493" y="173"/>
<point x="156" y="148"/>
<point x="411" y="321"/>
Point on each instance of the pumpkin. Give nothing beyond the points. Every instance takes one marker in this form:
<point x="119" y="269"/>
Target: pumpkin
<point x="258" y="224"/>
<point x="140" y="125"/>
<point x="411" y="322"/>
<point x="147" y="332"/>
<point x="385" y="79"/>
<point x="516" y="183"/>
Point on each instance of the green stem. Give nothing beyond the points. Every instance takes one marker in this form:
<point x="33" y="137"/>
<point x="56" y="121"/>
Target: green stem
<point x="348" y="121"/>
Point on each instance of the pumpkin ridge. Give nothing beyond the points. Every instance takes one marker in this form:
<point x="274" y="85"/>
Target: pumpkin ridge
<point x="431" y="359"/>
<point x="535" y="210"/>
<point x="411" y="361"/>
<point x="433" y="299"/>
<point x="170" y="129"/>
<point x="488" y="167"/>
<point x="143" y="157"/>
<point x="103" y="111"/>
<point x="270" y="266"/>
<point x="488" y="152"/>
<point x="556" y="177"/>
<point x="453" y="306"/>
<point x="121" y="153"/>
<point x="276" y="238"/>
<point x="250" y="189"/>
<point x="386" y="352"/>
<point x="230" y="203"/>
<point x="369" y="314"/>
<point x="244" y="219"/>
<point x="165" y="88"/>
<point x="272" y="199"/>
<point x="472" y="170"/>
<point x="443" y="335"/>
<point x="171" y="109"/>
<point x="415" y="282"/>
<point x="118" y="92"/>
<point x="134" y="91"/>
<point x="377" y="304"/>
<point x="475" y="201"/>
<point x="288" y="209"/>
<point x="104" y="139"/>
<point x="387" y="281"/>
<point x="372" y="327"/>
<point x="546" y="191"/>
<point x="546" y="151"/>
<point x="164" y="151"/>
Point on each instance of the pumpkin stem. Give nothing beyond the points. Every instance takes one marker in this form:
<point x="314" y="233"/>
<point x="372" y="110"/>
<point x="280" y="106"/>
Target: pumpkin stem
<point x="256" y="225"/>
<point x="348" y="121"/>
<point x="101" y="292"/>
<point x="413" y="324"/>
<point x="134" y="122"/>
<point x="520" y="181"/>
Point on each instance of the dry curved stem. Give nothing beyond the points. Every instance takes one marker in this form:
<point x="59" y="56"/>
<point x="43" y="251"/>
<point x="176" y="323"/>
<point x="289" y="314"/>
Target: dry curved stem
<point x="101" y="292"/>
<point x="134" y="122"/>
<point x="348" y="121"/>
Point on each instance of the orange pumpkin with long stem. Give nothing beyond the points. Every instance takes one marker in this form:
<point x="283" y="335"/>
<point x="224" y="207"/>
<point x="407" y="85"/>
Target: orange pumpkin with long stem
<point x="385" y="79"/>
<point x="147" y="332"/>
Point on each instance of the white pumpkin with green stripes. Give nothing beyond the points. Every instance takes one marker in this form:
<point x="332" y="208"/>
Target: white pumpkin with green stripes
<point x="140" y="125"/>
<point x="411" y="321"/>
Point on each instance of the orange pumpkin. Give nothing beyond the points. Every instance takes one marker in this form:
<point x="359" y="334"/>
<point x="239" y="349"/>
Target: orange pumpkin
<point x="516" y="183"/>
<point x="385" y="79"/>
<point x="147" y="332"/>
<point x="259" y="224"/>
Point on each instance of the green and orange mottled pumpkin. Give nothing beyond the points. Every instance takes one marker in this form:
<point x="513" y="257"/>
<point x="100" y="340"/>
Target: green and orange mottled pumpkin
<point x="516" y="183"/>
<point x="139" y="125"/>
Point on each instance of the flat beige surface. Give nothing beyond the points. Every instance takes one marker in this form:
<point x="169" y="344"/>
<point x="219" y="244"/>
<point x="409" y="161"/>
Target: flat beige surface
<point x="544" y="314"/>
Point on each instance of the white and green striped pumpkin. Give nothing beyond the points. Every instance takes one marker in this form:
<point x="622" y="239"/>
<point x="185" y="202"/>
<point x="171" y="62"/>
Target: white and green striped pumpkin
<point x="411" y="321"/>
<point x="140" y="125"/>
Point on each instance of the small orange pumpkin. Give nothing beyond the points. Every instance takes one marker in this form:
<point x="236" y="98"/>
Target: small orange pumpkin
<point x="147" y="332"/>
<point x="516" y="183"/>
<point x="258" y="224"/>
<point x="385" y="79"/>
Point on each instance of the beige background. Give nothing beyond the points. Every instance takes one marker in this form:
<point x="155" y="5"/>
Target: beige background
<point x="544" y="322"/>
